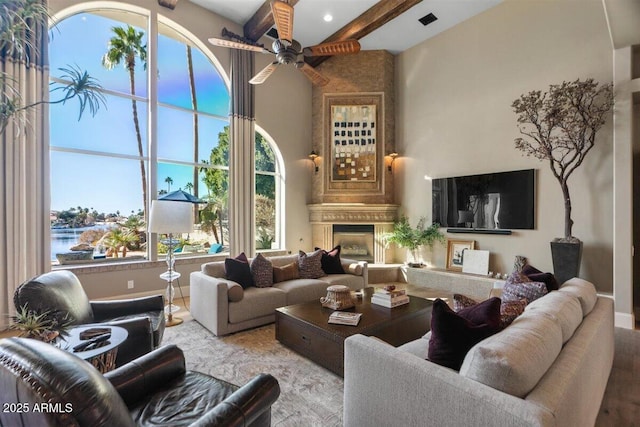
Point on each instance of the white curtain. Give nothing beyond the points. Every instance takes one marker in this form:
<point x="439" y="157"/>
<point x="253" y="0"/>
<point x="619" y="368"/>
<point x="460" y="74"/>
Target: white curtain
<point x="24" y="172"/>
<point x="241" y="155"/>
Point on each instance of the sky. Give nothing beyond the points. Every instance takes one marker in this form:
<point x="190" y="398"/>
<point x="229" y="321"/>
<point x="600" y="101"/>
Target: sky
<point x="110" y="184"/>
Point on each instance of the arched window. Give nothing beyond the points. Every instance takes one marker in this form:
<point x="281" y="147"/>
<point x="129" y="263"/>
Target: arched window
<point x="269" y="182"/>
<point x="101" y="166"/>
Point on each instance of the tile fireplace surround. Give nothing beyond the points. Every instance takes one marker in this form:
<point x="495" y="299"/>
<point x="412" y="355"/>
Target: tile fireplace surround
<point x="325" y="215"/>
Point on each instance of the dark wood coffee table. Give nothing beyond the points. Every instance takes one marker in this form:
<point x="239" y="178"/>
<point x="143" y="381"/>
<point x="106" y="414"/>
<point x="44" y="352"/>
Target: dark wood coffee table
<point x="305" y="328"/>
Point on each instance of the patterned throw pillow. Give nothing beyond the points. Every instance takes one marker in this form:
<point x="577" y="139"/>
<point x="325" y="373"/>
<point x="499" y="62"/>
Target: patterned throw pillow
<point x="310" y="265"/>
<point x="286" y="272"/>
<point x="509" y="310"/>
<point x="518" y="286"/>
<point x="262" y="272"/>
<point x="331" y="261"/>
<point x="461" y="301"/>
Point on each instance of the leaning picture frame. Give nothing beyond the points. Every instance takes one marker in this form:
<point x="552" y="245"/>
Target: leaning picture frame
<point x="455" y="253"/>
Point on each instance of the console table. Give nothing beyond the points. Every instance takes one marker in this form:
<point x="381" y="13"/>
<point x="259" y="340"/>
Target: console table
<point x="471" y="285"/>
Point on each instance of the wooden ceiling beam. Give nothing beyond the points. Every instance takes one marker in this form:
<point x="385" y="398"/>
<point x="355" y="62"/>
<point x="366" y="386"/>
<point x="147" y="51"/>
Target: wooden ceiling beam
<point x="261" y="21"/>
<point x="369" y="21"/>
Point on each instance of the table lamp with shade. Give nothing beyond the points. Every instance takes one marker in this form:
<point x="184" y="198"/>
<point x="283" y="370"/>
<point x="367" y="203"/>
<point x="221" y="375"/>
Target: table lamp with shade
<point x="169" y="217"/>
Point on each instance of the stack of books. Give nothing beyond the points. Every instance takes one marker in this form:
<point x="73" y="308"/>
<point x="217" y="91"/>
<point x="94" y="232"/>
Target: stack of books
<point x="390" y="299"/>
<point x="345" y="318"/>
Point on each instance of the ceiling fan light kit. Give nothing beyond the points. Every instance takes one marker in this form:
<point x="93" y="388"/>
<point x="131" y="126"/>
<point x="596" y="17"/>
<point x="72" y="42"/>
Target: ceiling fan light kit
<point x="285" y="48"/>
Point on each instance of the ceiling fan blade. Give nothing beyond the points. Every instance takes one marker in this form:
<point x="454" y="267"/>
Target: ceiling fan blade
<point x="333" y="48"/>
<point x="264" y="74"/>
<point x="315" y="77"/>
<point x="283" y="16"/>
<point x="236" y="45"/>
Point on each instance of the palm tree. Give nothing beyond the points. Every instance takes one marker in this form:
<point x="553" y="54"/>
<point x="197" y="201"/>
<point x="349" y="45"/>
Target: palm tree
<point x="194" y="105"/>
<point x="189" y="187"/>
<point x="169" y="181"/>
<point x="19" y="20"/>
<point x="124" y="48"/>
<point x="119" y="238"/>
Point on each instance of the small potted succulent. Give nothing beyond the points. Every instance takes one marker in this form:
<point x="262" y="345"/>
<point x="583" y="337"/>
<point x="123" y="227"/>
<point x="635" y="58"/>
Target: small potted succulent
<point x="413" y="239"/>
<point x="44" y="326"/>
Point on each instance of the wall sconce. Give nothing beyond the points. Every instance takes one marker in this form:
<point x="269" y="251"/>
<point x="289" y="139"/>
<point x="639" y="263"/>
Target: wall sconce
<point x="313" y="156"/>
<point x="393" y="156"/>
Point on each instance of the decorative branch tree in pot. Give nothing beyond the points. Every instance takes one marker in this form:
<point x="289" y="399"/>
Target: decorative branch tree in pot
<point x="559" y="126"/>
<point x="413" y="239"/>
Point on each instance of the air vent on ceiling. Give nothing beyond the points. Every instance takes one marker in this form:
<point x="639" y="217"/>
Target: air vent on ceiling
<point x="273" y="33"/>
<point x="428" y="19"/>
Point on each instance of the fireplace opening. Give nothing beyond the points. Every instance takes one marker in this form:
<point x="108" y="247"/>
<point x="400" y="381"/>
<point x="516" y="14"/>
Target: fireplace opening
<point x="356" y="241"/>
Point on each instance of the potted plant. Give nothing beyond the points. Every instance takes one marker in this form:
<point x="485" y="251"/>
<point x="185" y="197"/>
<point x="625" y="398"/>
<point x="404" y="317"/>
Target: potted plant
<point x="44" y="326"/>
<point x="559" y="126"/>
<point x="413" y="239"/>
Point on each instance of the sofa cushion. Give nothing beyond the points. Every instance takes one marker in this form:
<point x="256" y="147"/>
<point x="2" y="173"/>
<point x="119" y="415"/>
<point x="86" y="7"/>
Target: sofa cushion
<point x="238" y="270"/>
<point x="518" y="286"/>
<point x="213" y="269"/>
<point x="514" y="360"/>
<point x="310" y="265"/>
<point x="419" y="347"/>
<point x="286" y="272"/>
<point x="352" y="281"/>
<point x="330" y="261"/>
<point x="303" y="290"/>
<point x="257" y="302"/>
<point x="536" y="275"/>
<point x="452" y="336"/>
<point x="584" y="291"/>
<point x="562" y="307"/>
<point x="261" y="271"/>
<point x="235" y="292"/>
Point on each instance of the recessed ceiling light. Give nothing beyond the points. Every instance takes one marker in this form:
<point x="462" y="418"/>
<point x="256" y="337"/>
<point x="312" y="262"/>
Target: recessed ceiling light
<point x="328" y="17"/>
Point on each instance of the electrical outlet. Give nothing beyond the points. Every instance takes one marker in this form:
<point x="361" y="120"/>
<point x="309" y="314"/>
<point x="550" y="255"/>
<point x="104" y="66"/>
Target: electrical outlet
<point x="130" y="284"/>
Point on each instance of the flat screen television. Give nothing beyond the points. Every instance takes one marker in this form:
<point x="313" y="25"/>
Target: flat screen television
<point x="494" y="201"/>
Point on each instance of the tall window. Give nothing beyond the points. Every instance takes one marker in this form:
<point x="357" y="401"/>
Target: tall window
<point x="106" y="169"/>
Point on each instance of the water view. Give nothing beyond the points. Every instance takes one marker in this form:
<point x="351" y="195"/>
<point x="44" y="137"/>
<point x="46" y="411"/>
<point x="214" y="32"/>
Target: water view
<point x="62" y="239"/>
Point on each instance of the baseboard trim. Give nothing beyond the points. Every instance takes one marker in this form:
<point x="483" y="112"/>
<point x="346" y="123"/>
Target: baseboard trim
<point x="177" y="295"/>
<point x="624" y="320"/>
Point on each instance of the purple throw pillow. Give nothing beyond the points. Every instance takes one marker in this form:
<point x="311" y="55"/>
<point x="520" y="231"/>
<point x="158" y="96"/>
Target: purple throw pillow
<point x="238" y="270"/>
<point x="452" y="336"/>
<point x="330" y="261"/>
<point x="536" y="275"/>
<point x="487" y="312"/>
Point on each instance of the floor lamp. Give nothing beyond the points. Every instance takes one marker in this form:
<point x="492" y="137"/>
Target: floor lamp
<point x="169" y="217"/>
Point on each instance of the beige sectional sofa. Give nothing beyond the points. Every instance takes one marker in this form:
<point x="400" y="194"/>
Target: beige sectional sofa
<point x="223" y="307"/>
<point x="548" y="368"/>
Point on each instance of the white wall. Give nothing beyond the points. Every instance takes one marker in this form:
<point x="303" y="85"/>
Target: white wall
<point x="454" y="117"/>
<point x="283" y="110"/>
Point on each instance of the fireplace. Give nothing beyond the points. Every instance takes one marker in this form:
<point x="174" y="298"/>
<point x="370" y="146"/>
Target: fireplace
<point x="365" y="225"/>
<point x="356" y="241"/>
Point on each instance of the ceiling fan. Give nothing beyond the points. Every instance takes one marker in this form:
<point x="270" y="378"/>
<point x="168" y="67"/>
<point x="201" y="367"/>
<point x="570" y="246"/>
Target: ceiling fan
<point x="286" y="49"/>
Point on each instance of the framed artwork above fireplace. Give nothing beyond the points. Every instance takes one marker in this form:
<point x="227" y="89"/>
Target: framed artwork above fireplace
<point x="354" y="142"/>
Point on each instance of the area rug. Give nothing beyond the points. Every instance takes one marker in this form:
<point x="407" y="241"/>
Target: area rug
<point x="310" y="395"/>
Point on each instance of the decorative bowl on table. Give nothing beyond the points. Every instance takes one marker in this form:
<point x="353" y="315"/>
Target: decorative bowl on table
<point x="338" y="298"/>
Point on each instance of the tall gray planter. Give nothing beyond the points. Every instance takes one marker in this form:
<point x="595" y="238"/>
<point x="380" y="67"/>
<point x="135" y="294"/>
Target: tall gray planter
<point x="566" y="260"/>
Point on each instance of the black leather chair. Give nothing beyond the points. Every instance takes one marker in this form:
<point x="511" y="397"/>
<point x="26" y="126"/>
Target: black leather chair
<point x="41" y="385"/>
<point x="60" y="292"/>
